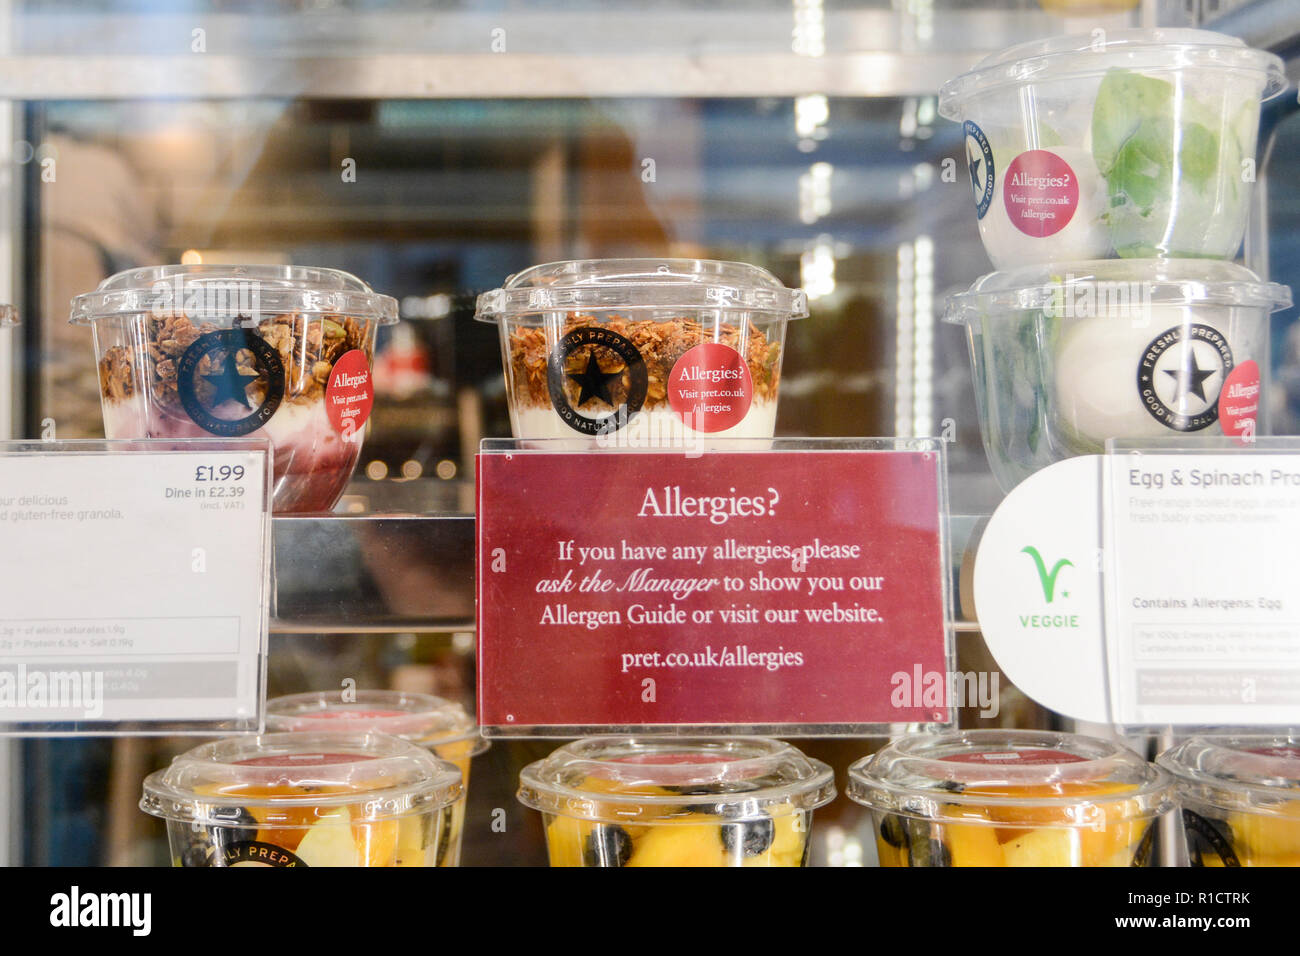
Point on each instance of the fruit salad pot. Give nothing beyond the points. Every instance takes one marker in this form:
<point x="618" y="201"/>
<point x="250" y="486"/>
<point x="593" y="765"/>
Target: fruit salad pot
<point x="438" y="725"/>
<point x="702" y="802"/>
<point x="1011" y="798"/>
<point x="1239" y="799"/>
<point x="290" y="800"/>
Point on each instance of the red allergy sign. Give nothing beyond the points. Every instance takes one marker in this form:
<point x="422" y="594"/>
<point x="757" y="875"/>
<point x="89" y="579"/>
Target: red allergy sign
<point x="758" y="588"/>
<point x="349" y="395"/>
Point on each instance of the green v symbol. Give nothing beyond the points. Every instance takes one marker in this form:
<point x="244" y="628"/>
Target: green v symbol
<point x="1045" y="577"/>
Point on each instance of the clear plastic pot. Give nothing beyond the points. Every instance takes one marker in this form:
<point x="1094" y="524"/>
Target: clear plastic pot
<point x="1129" y="143"/>
<point x="326" y="799"/>
<point x="434" y="723"/>
<point x="1068" y="356"/>
<point x="642" y="352"/>
<point x="1239" y="799"/>
<point x="665" y="801"/>
<point x="1011" y="798"/>
<point x="8" y="316"/>
<point x="277" y="352"/>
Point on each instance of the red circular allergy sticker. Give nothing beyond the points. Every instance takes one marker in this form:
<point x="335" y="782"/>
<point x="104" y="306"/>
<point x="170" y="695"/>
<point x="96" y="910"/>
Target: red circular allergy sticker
<point x="1239" y="402"/>
<point x="349" y="396"/>
<point x="710" y="388"/>
<point x="1016" y="758"/>
<point x="1041" y="193"/>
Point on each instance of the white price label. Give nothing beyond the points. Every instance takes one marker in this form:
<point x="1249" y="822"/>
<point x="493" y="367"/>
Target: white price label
<point x="133" y="586"/>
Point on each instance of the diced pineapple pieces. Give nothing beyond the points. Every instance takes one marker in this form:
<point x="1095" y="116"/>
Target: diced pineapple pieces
<point x="1047" y="846"/>
<point x="329" y="842"/>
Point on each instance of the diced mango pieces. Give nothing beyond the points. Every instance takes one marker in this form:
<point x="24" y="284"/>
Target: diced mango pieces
<point x="565" y="837"/>
<point x="1267" y="834"/>
<point x="683" y="844"/>
<point x="972" y="844"/>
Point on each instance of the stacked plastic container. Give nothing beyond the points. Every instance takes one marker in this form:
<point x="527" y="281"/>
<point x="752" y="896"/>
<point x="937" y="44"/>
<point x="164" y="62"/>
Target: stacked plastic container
<point x="1112" y="177"/>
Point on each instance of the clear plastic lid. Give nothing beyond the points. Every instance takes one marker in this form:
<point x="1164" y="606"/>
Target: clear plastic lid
<point x="294" y="778"/>
<point x="592" y="284"/>
<point x="1258" y="773"/>
<point x="1083" y="55"/>
<point x="420" y="718"/>
<point x="931" y="776"/>
<point x="222" y="292"/>
<point x="614" y="778"/>
<point x="1115" y="287"/>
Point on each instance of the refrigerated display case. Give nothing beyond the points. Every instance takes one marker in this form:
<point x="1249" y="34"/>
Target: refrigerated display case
<point x="434" y="150"/>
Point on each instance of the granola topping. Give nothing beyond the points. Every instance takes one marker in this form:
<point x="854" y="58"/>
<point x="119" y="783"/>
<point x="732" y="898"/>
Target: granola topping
<point x="308" y="347"/>
<point x="660" y="342"/>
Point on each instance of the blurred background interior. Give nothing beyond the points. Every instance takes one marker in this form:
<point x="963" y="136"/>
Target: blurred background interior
<point x="484" y="137"/>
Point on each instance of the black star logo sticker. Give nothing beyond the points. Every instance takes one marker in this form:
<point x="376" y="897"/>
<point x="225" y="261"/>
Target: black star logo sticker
<point x="975" y="163"/>
<point x="229" y="384"/>
<point x="1190" y="378"/>
<point x="593" y="382"/>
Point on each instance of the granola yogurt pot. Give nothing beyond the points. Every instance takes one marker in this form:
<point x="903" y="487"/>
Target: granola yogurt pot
<point x="1136" y="144"/>
<point x="8" y="317"/>
<point x="1065" y="357"/>
<point x="440" y="726"/>
<point x="322" y="799"/>
<point x="642" y="352"/>
<point x="1239" y="799"/>
<point x="666" y="801"/>
<point x="1011" y="798"/>
<point x="276" y="352"/>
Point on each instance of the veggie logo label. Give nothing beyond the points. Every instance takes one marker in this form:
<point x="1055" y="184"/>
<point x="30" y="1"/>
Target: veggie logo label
<point x="1045" y="577"/>
<point x="979" y="161"/>
<point x="1181" y="374"/>
<point x="1047" y="580"/>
